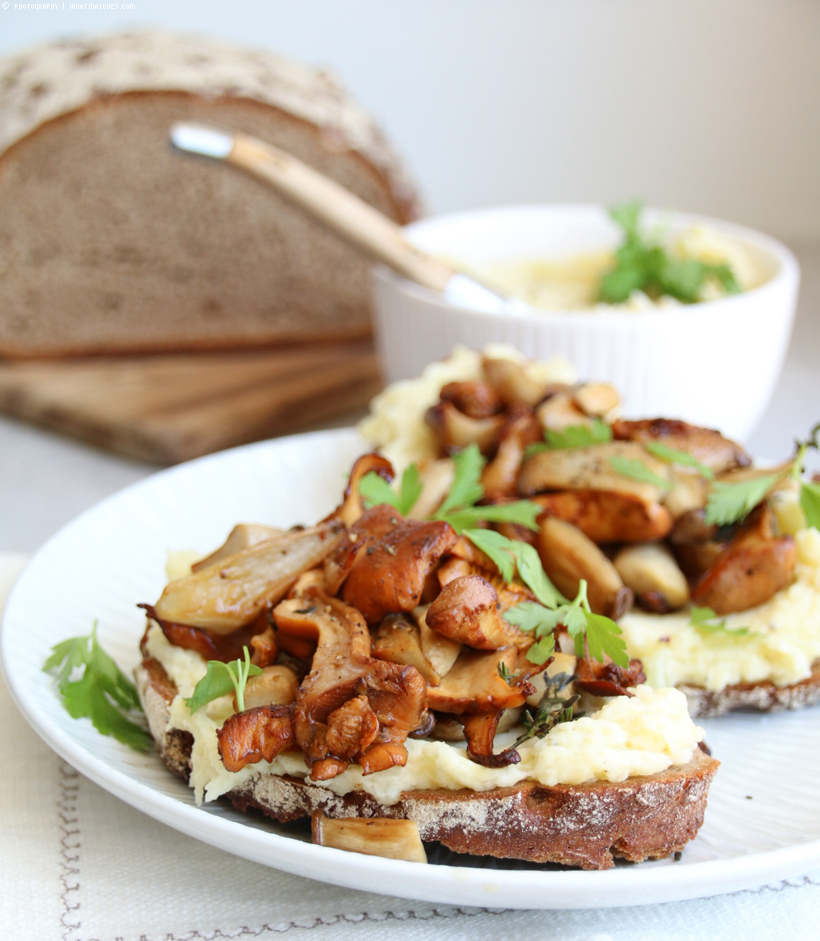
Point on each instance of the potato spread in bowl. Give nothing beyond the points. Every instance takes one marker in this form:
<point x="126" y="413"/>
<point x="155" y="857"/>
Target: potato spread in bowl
<point x="649" y="269"/>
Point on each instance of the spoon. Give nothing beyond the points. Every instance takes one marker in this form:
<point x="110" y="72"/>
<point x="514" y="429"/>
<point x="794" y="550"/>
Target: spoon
<point x="349" y="217"/>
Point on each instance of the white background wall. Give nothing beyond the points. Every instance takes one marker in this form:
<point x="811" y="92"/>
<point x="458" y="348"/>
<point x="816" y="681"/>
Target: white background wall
<point x="705" y="105"/>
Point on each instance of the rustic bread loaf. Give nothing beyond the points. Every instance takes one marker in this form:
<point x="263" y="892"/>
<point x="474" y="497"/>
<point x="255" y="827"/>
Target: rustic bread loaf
<point x="585" y="825"/>
<point x="112" y="242"/>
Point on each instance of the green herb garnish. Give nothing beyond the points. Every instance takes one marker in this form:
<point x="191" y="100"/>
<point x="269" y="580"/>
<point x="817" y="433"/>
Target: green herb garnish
<point x="103" y="693"/>
<point x="511" y="554"/>
<point x="809" y="490"/>
<point x="459" y="509"/>
<point x="602" y="633"/>
<point x="730" y="502"/>
<point x="705" y="619"/>
<point x="637" y="470"/>
<point x="810" y="502"/>
<point x="671" y="456"/>
<point x="644" y="265"/>
<point x="551" y="710"/>
<point x="575" y="436"/>
<point x="375" y="489"/>
<point x="222" y="678"/>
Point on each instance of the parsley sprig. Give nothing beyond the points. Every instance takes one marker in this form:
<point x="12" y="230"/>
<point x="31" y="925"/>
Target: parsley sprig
<point x="102" y="693"/>
<point x="636" y="470"/>
<point x="671" y="456"/>
<point x="574" y="436"/>
<point x="222" y="678"/>
<point x="809" y="490"/>
<point x="375" y="489"/>
<point x="643" y="264"/>
<point x="459" y="508"/>
<point x="510" y="555"/>
<point x="732" y="501"/>
<point x="603" y="636"/>
<point x="706" y="620"/>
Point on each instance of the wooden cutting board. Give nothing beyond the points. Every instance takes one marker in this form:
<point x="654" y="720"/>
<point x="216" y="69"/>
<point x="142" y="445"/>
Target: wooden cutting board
<point x="170" y="408"/>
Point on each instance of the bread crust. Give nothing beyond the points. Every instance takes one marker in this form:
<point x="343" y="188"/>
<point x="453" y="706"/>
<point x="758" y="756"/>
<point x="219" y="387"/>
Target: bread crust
<point x="763" y="696"/>
<point x="585" y="826"/>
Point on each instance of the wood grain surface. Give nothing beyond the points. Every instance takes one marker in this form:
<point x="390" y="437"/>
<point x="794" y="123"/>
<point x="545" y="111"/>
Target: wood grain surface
<point x="169" y="408"/>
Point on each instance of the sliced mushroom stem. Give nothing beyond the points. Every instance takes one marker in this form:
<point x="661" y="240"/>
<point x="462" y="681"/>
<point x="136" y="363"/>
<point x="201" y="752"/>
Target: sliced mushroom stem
<point x="597" y="399"/>
<point x="456" y="430"/>
<point x="568" y="556"/>
<point x="650" y="569"/>
<point x="242" y="536"/>
<point x="275" y="686"/>
<point x="398" y="640"/>
<point x="233" y="591"/>
<point x="373" y="836"/>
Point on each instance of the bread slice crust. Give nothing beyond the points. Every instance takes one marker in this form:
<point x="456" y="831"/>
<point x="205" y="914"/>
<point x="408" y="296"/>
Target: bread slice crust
<point x="586" y="826"/>
<point x="763" y="696"/>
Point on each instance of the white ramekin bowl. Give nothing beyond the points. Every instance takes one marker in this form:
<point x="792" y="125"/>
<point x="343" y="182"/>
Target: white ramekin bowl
<point x="715" y="363"/>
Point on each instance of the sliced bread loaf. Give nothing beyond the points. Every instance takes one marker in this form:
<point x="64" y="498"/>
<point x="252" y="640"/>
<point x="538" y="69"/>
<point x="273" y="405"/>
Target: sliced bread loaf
<point x="112" y="242"/>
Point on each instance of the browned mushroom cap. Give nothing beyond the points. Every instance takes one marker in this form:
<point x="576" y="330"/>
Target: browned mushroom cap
<point x="473" y="684"/>
<point x="390" y="570"/>
<point x="568" y="556"/>
<point x="242" y="536"/>
<point x="605" y="516"/>
<point x="500" y="475"/>
<point x="343" y="670"/>
<point x="479" y="730"/>
<point x="456" y="430"/>
<point x="708" y="446"/>
<point x="233" y="591"/>
<point x="208" y="644"/>
<point x="258" y="734"/>
<point x="474" y="399"/>
<point x="351" y="507"/>
<point x="608" y="679"/>
<point x="750" y="569"/>
<point x="466" y="610"/>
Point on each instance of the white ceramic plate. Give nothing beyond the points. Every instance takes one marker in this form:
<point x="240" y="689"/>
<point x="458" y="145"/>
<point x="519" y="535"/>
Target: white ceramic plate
<point x="763" y="820"/>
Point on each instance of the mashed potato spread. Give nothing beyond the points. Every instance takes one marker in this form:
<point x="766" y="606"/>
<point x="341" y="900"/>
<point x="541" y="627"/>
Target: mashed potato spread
<point x="627" y="737"/>
<point x="782" y="643"/>
<point x="396" y="425"/>
<point x="571" y="284"/>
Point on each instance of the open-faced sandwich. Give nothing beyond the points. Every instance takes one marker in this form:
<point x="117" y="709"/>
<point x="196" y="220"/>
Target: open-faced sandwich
<point x="710" y="566"/>
<point x="405" y="672"/>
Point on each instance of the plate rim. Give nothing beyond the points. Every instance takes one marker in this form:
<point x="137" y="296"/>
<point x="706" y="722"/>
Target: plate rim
<point x="455" y="885"/>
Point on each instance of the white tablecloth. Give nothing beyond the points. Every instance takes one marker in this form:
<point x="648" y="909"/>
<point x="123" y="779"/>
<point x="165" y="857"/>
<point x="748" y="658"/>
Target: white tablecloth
<point x="79" y="865"/>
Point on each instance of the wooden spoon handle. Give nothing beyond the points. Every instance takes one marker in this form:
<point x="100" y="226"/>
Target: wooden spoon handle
<point x="348" y="216"/>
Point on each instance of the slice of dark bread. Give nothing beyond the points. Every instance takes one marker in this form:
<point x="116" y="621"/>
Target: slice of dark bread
<point x="112" y="242"/>
<point x="586" y="825"/>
